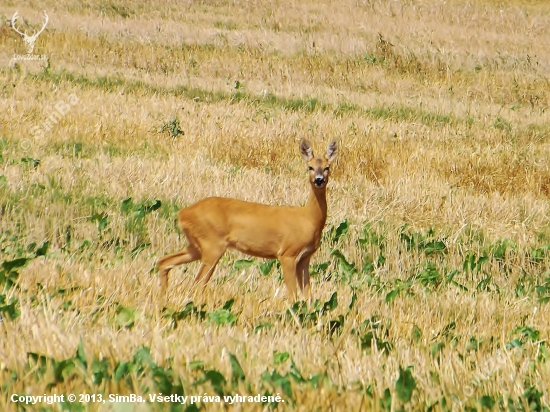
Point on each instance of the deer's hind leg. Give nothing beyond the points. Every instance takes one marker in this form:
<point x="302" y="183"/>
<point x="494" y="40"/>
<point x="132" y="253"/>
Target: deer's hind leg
<point x="211" y="254"/>
<point x="168" y="262"/>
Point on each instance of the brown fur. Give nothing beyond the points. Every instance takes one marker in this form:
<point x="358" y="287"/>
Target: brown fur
<point x="288" y="233"/>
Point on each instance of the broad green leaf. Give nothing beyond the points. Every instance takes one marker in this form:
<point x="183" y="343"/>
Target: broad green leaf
<point x="262" y="326"/>
<point x="34" y="162"/>
<point x="280" y="357"/>
<point x="155" y="206"/>
<point x="11" y="309"/>
<point x="143" y="357"/>
<point x="347" y="267"/>
<point x="80" y="355"/>
<point x="237" y="373"/>
<point x="100" y="371"/>
<point x="487" y="402"/>
<point x="385" y="400"/>
<point x="10" y="265"/>
<point x="196" y="365"/>
<point x="390" y="296"/>
<point x="267" y="266"/>
<point x="353" y="301"/>
<point x="222" y="317"/>
<point x="530" y="333"/>
<point x="295" y="373"/>
<point x="62" y="369"/>
<point x="126" y="206"/>
<point x="405" y="384"/>
<point x="122" y="370"/>
<point x="42" y="250"/>
<point x="434" y="247"/>
<point x="416" y="334"/>
<point x="243" y="264"/>
<point x="319" y="268"/>
<point x="228" y="304"/>
<point x="436" y="348"/>
<point x="125" y="317"/>
<point x="216" y="379"/>
<point x="332" y="303"/>
<point x="340" y="231"/>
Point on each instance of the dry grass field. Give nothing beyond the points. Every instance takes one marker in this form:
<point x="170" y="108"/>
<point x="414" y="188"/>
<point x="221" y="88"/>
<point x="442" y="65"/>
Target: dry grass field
<point x="432" y="281"/>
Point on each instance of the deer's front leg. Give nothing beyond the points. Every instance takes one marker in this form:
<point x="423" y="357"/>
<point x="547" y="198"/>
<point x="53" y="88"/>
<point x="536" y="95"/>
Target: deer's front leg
<point x="289" y="274"/>
<point x="302" y="276"/>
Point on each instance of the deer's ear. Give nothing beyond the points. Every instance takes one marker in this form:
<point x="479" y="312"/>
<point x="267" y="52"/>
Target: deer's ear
<point x="332" y="151"/>
<point x="305" y="150"/>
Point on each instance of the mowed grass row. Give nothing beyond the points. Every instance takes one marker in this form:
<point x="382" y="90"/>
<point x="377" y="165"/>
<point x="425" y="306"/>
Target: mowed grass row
<point x="432" y="279"/>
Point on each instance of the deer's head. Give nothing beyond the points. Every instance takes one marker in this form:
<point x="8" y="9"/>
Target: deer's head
<point x="319" y="168"/>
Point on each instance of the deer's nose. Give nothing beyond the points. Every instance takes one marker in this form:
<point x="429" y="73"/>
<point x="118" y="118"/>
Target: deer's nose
<point x="319" y="181"/>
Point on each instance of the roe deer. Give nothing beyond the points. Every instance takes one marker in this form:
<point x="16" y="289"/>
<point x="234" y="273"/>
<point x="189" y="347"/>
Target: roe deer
<point x="288" y="233"/>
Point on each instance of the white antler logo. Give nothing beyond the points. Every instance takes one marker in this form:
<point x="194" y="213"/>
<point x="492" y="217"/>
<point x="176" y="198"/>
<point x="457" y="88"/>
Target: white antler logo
<point x="29" y="40"/>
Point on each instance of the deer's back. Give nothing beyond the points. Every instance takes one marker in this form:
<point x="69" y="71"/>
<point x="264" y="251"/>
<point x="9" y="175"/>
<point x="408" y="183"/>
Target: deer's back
<point x="253" y="228"/>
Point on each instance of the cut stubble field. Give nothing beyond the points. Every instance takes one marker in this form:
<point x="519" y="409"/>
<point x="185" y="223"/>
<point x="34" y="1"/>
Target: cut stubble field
<point x="432" y="281"/>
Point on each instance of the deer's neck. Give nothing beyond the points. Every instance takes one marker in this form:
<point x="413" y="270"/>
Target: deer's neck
<point x="317" y="205"/>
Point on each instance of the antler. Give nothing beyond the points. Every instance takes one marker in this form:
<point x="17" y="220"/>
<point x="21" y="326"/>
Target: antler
<point x="44" y="26"/>
<point x="35" y="35"/>
<point x="13" y="20"/>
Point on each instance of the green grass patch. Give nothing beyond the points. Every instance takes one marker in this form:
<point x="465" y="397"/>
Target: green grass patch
<point x="308" y="104"/>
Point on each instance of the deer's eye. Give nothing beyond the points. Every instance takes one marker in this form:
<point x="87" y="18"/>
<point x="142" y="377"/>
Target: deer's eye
<point x="326" y="169"/>
<point x="310" y="169"/>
